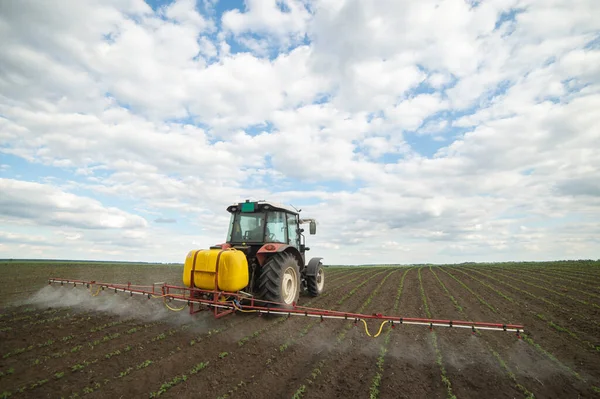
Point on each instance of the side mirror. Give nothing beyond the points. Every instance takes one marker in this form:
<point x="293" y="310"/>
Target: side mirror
<point x="313" y="227"/>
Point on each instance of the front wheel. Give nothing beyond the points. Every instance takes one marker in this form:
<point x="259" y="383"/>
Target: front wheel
<point x="279" y="280"/>
<point x="316" y="283"/>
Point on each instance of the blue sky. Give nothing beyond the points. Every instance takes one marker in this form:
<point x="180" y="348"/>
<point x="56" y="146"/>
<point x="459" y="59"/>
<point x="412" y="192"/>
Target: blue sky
<point x="471" y="141"/>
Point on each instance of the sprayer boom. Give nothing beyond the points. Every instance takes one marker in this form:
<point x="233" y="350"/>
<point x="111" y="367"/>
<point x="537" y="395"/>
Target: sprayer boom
<point x="223" y="303"/>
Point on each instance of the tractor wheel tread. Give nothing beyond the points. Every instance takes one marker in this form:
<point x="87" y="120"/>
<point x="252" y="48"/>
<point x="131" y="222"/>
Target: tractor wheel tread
<point x="270" y="277"/>
<point x="312" y="286"/>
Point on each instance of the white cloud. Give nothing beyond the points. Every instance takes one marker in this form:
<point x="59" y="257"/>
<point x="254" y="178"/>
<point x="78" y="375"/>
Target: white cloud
<point x="410" y="114"/>
<point x="42" y="204"/>
<point x="285" y="22"/>
<point x="335" y="106"/>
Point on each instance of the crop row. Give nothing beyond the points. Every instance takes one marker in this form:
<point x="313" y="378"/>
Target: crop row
<point x="545" y="288"/>
<point x="551" y="280"/>
<point x="540" y="316"/>
<point x="178" y="378"/>
<point x="27" y="314"/>
<point x="583" y="318"/>
<point x="79" y="365"/>
<point x="317" y="367"/>
<point x="66" y="338"/>
<point x="438" y="354"/>
<point x="376" y="382"/>
<point x="540" y="349"/>
<point x="128" y="349"/>
<point x="293" y="341"/>
<point x="528" y="394"/>
<point x="569" y="275"/>
<point x="587" y="282"/>
<point x="91" y="344"/>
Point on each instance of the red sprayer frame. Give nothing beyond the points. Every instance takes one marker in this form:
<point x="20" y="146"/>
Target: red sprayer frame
<point x="224" y="303"/>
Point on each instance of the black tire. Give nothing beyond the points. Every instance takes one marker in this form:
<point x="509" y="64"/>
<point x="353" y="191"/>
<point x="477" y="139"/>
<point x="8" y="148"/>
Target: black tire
<point x="278" y="270"/>
<point x="315" y="284"/>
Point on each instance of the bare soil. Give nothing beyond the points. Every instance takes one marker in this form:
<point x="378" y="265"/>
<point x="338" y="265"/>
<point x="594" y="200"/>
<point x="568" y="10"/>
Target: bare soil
<point x="63" y="342"/>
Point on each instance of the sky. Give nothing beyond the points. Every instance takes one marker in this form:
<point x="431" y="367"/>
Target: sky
<point x="430" y="131"/>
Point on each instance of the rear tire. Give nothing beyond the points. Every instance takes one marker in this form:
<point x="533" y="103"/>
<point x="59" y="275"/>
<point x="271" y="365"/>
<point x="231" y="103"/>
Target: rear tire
<point x="316" y="283"/>
<point x="279" y="280"/>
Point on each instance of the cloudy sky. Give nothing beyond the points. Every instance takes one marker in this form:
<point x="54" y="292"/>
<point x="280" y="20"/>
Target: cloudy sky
<point x="414" y="131"/>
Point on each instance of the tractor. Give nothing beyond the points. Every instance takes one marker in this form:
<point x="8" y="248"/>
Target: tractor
<point x="264" y="255"/>
<point x="261" y="268"/>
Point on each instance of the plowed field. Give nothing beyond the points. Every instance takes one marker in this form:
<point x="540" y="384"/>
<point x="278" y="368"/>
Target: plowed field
<point x="63" y="342"/>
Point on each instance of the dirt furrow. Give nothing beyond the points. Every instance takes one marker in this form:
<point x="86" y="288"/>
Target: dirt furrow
<point x="207" y="346"/>
<point x="284" y="362"/>
<point x="527" y="362"/>
<point x="100" y="371"/>
<point x="410" y="370"/>
<point x="570" y="282"/>
<point x="584" y="327"/>
<point x="560" y="285"/>
<point x="470" y="365"/>
<point x="352" y="371"/>
<point x="587" y="306"/>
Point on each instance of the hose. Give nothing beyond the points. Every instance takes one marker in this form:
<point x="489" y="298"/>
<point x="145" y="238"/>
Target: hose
<point x="173" y="309"/>
<point x="164" y="298"/>
<point x="97" y="292"/>
<point x="241" y="310"/>
<point x="234" y="303"/>
<point x="378" y="332"/>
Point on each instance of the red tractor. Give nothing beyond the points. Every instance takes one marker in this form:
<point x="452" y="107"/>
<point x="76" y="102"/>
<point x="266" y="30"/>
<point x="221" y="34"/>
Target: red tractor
<point x="264" y="255"/>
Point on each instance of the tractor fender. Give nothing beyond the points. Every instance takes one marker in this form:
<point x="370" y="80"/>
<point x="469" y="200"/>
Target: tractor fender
<point x="272" y="248"/>
<point x="311" y="268"/>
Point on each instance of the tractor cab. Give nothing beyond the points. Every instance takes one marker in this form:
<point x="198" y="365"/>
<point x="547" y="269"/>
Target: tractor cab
<point x="262" y="222"/>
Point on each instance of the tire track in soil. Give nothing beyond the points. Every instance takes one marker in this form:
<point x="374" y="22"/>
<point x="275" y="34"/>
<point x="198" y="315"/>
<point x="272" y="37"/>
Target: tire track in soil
<point x="540" y="373"/>
<point x="287" y="366"/>
<point x="162" y="369"/>
<point x="469" y="364"/>
<point x="411" y="371"/>
<point x="354" y="365"/>
<point x="586" y="328"/>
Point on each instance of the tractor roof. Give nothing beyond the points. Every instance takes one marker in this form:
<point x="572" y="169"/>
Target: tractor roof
<point x="260" y="204"/>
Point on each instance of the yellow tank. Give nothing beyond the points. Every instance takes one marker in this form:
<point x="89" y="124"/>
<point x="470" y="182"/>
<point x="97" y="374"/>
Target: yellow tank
<point x="232" y="270"/>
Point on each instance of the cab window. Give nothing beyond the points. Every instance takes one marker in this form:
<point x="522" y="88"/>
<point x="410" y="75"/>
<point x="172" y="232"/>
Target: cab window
<point x="276" y="230"/>
<point x="292" y="230"/>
